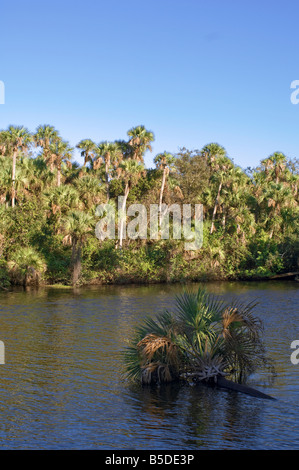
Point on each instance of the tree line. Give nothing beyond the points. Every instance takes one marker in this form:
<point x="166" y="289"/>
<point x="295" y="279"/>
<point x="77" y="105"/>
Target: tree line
<point x="48" y="211"/>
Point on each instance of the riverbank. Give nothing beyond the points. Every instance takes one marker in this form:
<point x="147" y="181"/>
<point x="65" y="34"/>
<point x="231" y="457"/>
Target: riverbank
<point x="139" y="262"/>
<point x="120" y="279"/>
<point x="49" y="231"/>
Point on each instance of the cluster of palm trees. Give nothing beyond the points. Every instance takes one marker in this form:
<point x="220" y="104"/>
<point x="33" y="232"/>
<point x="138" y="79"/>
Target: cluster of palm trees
<point x="120" y="159"/>
<point x="250" y="216"/>
<point x="202" y="340"/>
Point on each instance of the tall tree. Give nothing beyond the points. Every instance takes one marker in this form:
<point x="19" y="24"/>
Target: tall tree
<point x="221" y="167"/>
<point x="212" y="151"/>
<point x="44" y="136"/>
<point x="274" y="166"/>
<point x="15" y="139"/>
<point x="109" y="152"/>
<point x="131" y="171"/>
<point x="193" y="174"/>
<point x="219" y="163"/>
<point x="236" y="208"/>
<point x="164" y="162"/>
<point x="60" y="152"/>
<point x="140" y="141"/>
<point x="88" y="150"/>
<point x="77" y="226"/>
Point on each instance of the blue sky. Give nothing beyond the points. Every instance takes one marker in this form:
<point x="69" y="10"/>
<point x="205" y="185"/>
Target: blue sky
<point x="191" y="71"/>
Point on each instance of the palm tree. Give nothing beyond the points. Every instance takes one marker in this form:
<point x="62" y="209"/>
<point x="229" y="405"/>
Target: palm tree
<point x="140" y="141"/>
<point x="278" y="197"/>
<point x="163" y="161"/>
<point x="213" y="151"/>
<point x="5" y="180"/>
<point x="60" y="200"/>
<point x="45" y="136"/>
<point x="2" y="143"/>
<point x="219" y="164"/>
<point x="88" y="150"/>
<point x="77" y="225"/>
<point x="203" y="339"/>
<point x="124" y="152"/>
<point x="234" y="198"/>
<point x="27" y="182"/>
<point x="109" y="152"/>
<point x="45" y="177"/>
<point x="14" y="140"/>
<point x="60" y="152"/>
<point x="274" y="166"/>
<point x="130" y="172"/>
<point x="90" y="191"/>
<point x="27" y="265"/>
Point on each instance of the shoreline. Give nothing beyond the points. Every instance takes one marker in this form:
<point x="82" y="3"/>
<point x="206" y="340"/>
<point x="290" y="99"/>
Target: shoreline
<point x="100" y="283"/>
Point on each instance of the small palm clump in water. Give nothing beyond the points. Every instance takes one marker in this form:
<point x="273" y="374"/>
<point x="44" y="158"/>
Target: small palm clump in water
<point x="203" y="340"/>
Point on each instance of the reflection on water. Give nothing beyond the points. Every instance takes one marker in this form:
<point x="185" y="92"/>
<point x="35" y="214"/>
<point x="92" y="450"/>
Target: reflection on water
<point x="62" y="387"/>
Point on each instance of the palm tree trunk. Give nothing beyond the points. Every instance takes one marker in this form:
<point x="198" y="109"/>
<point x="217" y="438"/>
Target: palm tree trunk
<point x="107" y="180"/>
<point x="52" y="165"/>
<point x="76" y="261"/>
<point x="13" y="190"/>
<point x="26" y="279"/>
<point x="222" y="382"/>
<point x="121" y="231"/>
<point x="58" y="175"/>
<point x="161" y="195"/>
<point x="215" y="208"/>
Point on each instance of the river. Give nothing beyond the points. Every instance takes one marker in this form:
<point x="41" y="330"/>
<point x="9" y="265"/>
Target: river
<point x="61" y="386"/>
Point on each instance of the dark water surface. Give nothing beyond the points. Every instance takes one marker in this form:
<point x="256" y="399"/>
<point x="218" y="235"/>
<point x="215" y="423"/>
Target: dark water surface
<point x="61" y="385"/>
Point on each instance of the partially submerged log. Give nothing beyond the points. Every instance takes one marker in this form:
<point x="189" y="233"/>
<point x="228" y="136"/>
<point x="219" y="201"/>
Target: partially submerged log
<point x="219" y="380"/>
<point x="285" y="275"/>
<point x="228" y="384"/>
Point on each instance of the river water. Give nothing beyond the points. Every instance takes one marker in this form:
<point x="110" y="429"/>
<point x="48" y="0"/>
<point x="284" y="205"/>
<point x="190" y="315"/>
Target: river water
<point x="61" y="386"/>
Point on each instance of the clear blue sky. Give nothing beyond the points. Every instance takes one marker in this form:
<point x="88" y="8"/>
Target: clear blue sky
<point x="191" y="71"/>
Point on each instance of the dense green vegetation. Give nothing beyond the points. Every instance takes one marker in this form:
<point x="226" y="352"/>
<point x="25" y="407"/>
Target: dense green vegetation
<point x="48" y="211"/>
